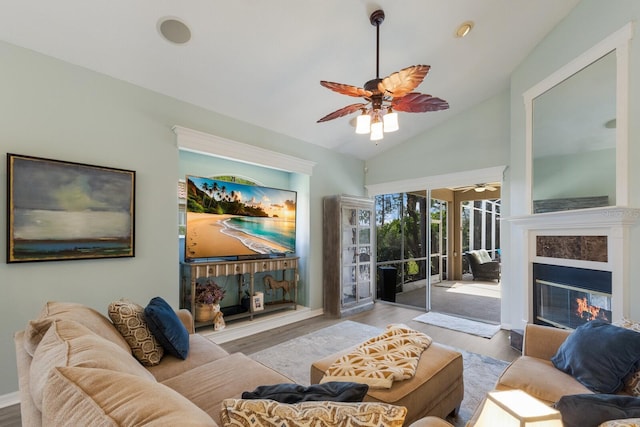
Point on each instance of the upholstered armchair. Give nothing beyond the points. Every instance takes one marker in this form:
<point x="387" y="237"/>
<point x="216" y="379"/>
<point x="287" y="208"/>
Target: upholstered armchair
<point x="482" y="266"/>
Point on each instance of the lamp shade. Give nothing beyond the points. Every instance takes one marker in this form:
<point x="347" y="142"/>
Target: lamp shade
<point x="363" y="123"/>
<point x="390" y="121"/>
<point x="377" y="132"/>
<point x="518" y="409"/>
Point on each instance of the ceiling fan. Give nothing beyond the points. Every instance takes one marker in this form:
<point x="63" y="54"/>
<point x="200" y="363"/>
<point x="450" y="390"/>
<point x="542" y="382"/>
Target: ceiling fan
<point x="477" y="187"/>
<point x="385" y="96"/>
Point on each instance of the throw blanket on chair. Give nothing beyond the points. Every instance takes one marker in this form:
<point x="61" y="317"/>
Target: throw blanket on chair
<point x="391" y="356"/>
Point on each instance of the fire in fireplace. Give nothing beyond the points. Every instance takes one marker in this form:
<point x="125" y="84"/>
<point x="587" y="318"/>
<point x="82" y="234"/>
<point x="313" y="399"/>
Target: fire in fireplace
<point x="568" y="297"/>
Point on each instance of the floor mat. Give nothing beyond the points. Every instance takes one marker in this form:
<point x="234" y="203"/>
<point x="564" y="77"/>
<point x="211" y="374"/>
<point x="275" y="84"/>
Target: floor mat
<point x="485" y="330"/>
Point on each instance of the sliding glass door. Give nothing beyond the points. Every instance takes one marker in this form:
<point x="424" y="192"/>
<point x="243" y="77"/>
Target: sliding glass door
<point x="402" y="248"/>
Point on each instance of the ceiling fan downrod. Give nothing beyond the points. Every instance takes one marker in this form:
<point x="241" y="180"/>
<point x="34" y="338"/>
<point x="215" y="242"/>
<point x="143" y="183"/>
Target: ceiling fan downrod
<point x="376" y="19"/>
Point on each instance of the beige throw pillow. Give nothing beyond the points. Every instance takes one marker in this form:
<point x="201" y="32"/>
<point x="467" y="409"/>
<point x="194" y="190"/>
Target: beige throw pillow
<point x="98" y="397"/>
<point x="69" y="343"/>
<point x="266" y="413"/>
<point x="630" y="422"/>
<point x="128" y="318"/>
<point x="89" y="317"/>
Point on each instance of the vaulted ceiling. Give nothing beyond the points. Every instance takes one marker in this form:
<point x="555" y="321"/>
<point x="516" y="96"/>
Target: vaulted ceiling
<point x="261" y="61"/>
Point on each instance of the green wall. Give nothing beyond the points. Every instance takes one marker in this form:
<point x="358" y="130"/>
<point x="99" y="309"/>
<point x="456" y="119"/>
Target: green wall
<point x="56" y="110"/>
<point x="590" y="22"/>
<point x="476" y="138"/>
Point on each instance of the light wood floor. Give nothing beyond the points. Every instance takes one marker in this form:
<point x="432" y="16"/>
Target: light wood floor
<point x="382" y="315"/>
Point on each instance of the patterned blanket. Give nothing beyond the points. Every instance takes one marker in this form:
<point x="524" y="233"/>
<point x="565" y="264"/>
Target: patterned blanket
<point x="391" y="356"/>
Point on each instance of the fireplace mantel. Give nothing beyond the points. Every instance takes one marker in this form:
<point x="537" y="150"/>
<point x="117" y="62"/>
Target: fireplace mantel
<point x="614" y="216"/>
<point x="612" y="222"/>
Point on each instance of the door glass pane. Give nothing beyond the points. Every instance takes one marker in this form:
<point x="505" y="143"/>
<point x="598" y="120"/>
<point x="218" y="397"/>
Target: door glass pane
<point x="388" y="227"/>
<point x="365" y="218"/>
<point x="414" y="225"/>
<point x="349" y="216"/>
<point x="349" y="236"/>
<point x="365" y="253"/>
<point x="364" y="290"/>
<point x="365" y="236"/>
<point x="349" y="255"/>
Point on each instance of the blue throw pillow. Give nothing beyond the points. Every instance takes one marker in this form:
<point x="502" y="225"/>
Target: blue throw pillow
<point x="293" y="393"/>
<point x="591" y="410"/>
<point x="599" y="355"/>
<point x="167" y="328"/>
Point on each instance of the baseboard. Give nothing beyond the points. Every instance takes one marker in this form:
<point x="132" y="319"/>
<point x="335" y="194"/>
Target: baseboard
<point x="236" y="330"/>
<point x="9" y="399"/>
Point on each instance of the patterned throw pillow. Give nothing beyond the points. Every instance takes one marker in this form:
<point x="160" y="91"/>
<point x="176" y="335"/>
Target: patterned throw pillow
<point x="264" y="413"/>
<point x="128" y="318"/>
<point x="629" y="422"/>
<point x="632" y="381"/>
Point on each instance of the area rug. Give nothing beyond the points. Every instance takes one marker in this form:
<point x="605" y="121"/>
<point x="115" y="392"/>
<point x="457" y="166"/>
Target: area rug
<point x="481" y="329"/>
<point x="293" y="358"/>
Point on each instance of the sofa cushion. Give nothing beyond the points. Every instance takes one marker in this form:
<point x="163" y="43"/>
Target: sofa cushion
<point x="201" y="352"/>
<point x="208" y="385"/>
<point x="540" y="379"/>
<point x="335" y="391"/>
<point x="262" y="413"/>
<point x="167" y="327"/>
<point x="584" y="410"/>
<point x="70" y="311"/>
<point x="77" y="396"/>
<point x="599" y="355"/>
<point x="69" y="343"/>
<point x="128" y="318"/>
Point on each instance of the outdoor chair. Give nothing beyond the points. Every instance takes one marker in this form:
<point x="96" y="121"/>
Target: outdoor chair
<point x="482" y="266"/>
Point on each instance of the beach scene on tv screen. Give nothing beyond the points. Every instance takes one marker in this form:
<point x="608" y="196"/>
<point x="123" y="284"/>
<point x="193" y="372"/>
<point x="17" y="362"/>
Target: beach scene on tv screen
<point x="227" y="219"/>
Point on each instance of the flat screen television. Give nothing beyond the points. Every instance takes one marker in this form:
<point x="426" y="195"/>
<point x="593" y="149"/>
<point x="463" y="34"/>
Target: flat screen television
<point x="238" y="221"/>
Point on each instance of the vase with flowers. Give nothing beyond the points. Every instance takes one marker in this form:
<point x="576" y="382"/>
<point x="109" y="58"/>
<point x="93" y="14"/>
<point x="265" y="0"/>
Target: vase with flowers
<point x="207" y="298"/>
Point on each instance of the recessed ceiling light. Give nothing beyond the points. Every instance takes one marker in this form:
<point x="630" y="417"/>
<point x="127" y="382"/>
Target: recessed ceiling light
<point x="464" y="29"/>
<point x="174" y="30"/>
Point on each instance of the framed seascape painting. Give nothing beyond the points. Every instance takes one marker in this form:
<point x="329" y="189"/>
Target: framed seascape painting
<point x="60" y="210"/>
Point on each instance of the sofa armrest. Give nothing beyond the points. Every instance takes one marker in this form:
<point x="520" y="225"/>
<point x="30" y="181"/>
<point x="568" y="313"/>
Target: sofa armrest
<point x="430" y="421"/>
<point x="187" y="320"/>
<point x="542" y="342"/>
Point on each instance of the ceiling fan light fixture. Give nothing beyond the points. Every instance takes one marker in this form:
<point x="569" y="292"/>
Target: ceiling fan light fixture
<point x="363" y="123"/>
<point x="390" y="121"/>
<point x="480" y="189"/>
<point x="377" y="129"/>
<point x="384" y="96"/>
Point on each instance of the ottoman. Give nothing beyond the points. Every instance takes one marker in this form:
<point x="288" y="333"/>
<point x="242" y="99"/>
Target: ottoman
<point x="436" y="389"/>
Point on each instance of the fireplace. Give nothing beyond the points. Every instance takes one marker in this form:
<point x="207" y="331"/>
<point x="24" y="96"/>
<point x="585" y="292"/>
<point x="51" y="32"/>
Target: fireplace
<point x="567" y="297"/>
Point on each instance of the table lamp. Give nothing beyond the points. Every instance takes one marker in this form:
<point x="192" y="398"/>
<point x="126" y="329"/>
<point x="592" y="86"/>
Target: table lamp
<point x="518" y="409"/>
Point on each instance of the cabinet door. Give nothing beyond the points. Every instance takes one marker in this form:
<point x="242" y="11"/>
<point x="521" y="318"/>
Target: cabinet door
<point x="349" y="230"/>
<point x="364" y="253"/>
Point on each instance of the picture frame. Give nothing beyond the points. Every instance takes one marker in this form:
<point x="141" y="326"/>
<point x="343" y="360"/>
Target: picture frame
<point x="257" y="302"/>
<point x="59" y="210"/>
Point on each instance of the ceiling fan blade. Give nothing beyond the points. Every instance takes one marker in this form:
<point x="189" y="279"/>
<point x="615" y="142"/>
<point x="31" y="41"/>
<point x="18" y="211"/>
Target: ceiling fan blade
<point x="347" y="89"/>
<point x="418" y="103"/>
<point x="490" y="187"/>
<point x="404" y="81"/>
<point x="342" y="112"/>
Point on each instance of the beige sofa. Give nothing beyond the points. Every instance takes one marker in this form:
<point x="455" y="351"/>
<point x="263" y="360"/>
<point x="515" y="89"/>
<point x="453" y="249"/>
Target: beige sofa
<point x="534" y="372"/>
<point x="75" y="368"/>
